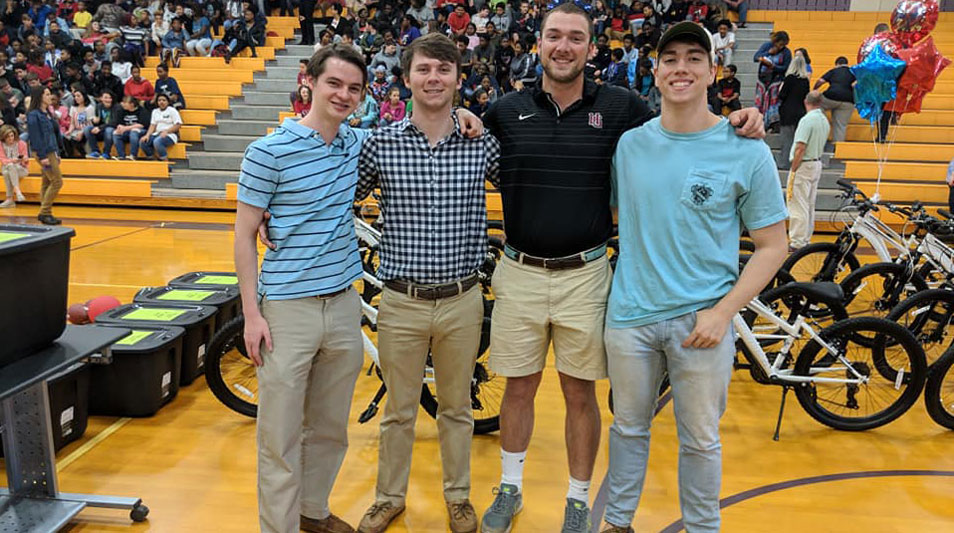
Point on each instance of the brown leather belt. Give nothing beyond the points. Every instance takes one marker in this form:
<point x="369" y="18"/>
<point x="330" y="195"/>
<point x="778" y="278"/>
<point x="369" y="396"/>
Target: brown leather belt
<point x="432" y="292"/>
<point x="332" y="294"/>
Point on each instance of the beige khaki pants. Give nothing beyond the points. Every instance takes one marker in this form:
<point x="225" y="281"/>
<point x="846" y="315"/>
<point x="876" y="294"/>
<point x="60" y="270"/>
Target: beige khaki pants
<point x="802" y="189"/>
<point x="406" y="328"/>
<point x="50" y="184"/>
<point x="840" y="115"/>
<point x="305" y="387"/>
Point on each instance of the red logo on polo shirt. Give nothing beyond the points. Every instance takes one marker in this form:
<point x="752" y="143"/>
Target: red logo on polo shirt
<point x="596" y="120"/>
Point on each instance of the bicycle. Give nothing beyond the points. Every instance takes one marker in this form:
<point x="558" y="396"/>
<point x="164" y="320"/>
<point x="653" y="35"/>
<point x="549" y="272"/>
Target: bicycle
<point x="232" y="379"/>
<point x="939" y="390"/>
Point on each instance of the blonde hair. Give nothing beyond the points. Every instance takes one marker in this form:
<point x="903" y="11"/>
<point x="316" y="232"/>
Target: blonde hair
<point x="798" y="67"/>
<point x="5" y="130"/>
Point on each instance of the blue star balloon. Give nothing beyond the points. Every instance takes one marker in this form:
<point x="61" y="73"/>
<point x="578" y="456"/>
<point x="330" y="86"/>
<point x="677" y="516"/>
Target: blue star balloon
<point x="876" y="82"/>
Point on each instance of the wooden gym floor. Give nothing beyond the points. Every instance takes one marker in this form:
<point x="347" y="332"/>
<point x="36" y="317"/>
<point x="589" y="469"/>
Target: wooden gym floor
<point x="193" y="463"/>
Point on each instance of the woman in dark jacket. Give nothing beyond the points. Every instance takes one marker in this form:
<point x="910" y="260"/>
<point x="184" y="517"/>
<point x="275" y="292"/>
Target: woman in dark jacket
<point x="791" y="109"/>
<point x="46" y="143"/>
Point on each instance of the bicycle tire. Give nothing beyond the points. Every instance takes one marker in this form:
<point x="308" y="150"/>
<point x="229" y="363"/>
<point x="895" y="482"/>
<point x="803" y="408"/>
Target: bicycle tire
<point x="929" y="316"/>
<point x="940" y="406"/>
<point x="820" y="261"/>
<point x="839" y="335"/>
<point x="225" y="340"/>
<point x="890" y="283"/>
<point x="486" y="389"/>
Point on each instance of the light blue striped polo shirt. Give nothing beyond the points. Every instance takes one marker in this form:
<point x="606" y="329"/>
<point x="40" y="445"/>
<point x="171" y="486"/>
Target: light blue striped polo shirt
<point x="308" y="187"/>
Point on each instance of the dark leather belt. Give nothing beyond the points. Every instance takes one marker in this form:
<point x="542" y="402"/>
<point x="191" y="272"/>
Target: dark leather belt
<point x="332" y="294"/>
<point x="432" y="292"/>
<point x="556" y="263"/>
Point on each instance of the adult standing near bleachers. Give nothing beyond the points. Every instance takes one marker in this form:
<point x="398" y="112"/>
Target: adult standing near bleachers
<point x="741" y="7"/>
<point x="773" y="58"/>
<point x="306" y="14"/>
<point x="839" y="98"/>
<point x="806" y="154"/>
<point x="46" y="143"/>
<point x="791" y="108"/>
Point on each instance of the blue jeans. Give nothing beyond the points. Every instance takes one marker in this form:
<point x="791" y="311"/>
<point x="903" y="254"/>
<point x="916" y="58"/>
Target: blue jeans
<point x="636" y="360"/>
<point x="158" y="144"/>
<point x="131" y="136"/>
<point x="105" y="134"/>
<point x="743" y="11"/>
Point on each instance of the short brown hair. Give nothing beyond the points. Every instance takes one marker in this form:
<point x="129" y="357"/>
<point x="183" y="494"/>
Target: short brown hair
<point x="571" y="9"/>
<point x="433" y="45"/>
<point x="316" y="65"/>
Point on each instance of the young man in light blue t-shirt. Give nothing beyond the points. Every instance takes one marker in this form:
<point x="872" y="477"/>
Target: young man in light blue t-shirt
<point x="685" y="185"/>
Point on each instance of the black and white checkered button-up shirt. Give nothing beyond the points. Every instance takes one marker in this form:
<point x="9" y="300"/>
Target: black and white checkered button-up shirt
<point x="433" y="200"/>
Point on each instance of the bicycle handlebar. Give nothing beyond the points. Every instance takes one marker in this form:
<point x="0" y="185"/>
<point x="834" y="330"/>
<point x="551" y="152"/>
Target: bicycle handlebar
<point x="945" y="213"/>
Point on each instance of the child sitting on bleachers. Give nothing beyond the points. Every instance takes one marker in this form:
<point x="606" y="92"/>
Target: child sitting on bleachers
<point x="132" y="122"/>
<point x="15" y="160"/>
<point x="393" y="108"/>
<point x="301" y="103"/>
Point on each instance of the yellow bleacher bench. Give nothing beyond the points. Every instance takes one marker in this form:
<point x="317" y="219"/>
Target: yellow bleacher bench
<point x="108" y="168"/>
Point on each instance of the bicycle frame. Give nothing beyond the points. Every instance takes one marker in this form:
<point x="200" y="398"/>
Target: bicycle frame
<point x="774" y="369"/>
<point x="881" y="236"/>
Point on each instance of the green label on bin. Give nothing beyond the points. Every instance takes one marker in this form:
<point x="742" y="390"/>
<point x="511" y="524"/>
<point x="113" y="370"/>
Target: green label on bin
<point x="217" y="280"/>
<point x="7" y="236"/>
<point x="186" y="295"/>
<point x="155" y="315"/>
<point x="134" y="338"/>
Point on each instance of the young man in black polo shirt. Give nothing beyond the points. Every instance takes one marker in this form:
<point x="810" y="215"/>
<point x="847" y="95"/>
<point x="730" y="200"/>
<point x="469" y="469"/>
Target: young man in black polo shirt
<point x="557" y="141"/>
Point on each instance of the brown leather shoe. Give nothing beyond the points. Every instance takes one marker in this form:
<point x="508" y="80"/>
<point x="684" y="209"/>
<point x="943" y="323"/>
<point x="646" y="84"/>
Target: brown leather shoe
<point x="378" y="517"/>
<point x="463" y="519"/>
<point x="610" y="528"/>
<point x="331" y="524"/>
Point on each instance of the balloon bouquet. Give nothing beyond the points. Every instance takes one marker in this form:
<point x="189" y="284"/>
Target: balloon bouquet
<point x="896" y="70"/>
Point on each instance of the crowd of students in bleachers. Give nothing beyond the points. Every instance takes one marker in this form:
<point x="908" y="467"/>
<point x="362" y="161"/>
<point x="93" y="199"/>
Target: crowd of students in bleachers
<point x="90" y="55"/>
<point x="497" y="39"/>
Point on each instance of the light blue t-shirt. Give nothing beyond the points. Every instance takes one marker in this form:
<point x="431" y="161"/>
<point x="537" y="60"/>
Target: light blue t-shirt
<point x="683" y="198"/>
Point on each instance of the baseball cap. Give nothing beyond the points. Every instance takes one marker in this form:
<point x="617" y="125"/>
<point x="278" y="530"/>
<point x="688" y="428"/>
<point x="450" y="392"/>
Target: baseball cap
<point x="687" y="31"/>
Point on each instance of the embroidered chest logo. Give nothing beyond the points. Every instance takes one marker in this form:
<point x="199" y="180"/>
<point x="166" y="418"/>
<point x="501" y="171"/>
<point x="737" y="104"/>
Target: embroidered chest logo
<point x="596" y="120"/>
<point x="701" y="193"/>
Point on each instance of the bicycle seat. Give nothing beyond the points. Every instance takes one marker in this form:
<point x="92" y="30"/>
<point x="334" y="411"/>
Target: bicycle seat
<point x="825" y="292"/>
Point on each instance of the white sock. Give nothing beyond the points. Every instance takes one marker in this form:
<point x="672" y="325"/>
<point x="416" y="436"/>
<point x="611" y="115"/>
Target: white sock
<point x="512" y="468"/>
<point x="579" y="490"/>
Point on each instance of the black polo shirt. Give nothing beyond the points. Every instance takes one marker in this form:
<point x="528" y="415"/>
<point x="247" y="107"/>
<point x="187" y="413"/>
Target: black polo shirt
<point x="555" y="166"/>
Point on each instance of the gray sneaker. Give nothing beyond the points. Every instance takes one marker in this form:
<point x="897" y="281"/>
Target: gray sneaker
<point x="499" y="518"/>
<point x="576" y="518"/>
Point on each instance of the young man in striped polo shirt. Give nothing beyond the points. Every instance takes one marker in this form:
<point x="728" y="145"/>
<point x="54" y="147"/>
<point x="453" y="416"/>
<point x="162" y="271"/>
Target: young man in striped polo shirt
<point x="304" y="310"/>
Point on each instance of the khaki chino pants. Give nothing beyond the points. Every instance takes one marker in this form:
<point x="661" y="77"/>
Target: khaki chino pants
<point x="802" y="190"/>
<point x="50" y="184"/>
<point x="406" y="328"/>
<point x="305" y="388"/>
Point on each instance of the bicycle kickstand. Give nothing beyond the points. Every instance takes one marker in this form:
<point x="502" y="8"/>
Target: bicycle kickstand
<point x="781" y="409"/>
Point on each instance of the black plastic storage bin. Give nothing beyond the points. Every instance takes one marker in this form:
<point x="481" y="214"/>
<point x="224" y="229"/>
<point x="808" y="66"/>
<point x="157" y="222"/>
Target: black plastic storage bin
<point x="35" y="268"/>
<point x="143" y="376"/>
<point x="197" y="320"/>
<point x="205" y="280"/>
<point x="69" y="405"/>
<point x="225" y="298"/>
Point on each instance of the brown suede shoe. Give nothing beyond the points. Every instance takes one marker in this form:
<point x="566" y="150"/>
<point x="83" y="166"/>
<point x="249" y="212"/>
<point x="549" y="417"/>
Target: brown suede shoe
<point x="463" y="519"/>
<point x="331" y="524"/>
<point x="378" y="517"/>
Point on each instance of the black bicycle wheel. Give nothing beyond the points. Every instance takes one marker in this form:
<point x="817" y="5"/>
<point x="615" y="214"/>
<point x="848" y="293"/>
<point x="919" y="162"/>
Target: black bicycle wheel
<point x="820" y="261"/>
<point x="876" y="400"/>
<point x="875" y="289"/>
<point x="230" y="374"/>
<point x="929" y="316"/>
<point x="939" y="391"/>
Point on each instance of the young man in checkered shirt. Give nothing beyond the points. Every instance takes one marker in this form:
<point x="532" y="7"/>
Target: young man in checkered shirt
<point x="433" y="197"/>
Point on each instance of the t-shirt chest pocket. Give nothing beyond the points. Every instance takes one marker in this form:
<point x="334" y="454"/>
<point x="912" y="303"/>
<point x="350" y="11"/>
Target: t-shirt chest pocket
<point x="704" y="190"/>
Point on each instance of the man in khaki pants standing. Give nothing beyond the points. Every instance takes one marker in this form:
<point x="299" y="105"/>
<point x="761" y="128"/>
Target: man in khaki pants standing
<point x="433" y="199"/>
<point x="304" y="310"/>
<point x="807" y="150"/>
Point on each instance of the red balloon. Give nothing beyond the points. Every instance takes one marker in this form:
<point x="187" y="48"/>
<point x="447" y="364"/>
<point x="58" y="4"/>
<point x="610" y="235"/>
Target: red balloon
<point x="100" y="305"/>
<point x="913" y="20"/>
<point x="890" y="42"/>
<point x="924" y="64"/>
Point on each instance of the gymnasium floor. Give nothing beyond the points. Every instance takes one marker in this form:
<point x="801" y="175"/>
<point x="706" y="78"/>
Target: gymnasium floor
<point x="193" y="463"/>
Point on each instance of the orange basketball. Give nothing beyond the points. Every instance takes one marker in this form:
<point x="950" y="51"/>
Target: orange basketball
<point x="77" y="314"/>
<point x="100" y="305"/>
